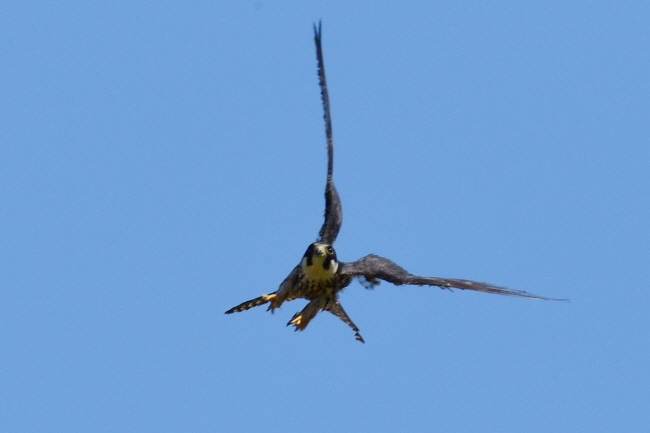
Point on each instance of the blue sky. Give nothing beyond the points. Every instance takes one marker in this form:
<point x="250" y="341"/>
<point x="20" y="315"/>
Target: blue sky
<point x="163" y="162"/>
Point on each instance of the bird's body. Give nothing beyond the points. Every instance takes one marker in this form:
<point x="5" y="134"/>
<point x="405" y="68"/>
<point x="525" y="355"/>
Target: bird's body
<point x="320" y="277"/>
<point x="316" y="278"/>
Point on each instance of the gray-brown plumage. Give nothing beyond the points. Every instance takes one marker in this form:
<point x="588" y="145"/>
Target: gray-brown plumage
<point x="333" y="213"/>
<point x="320" y="277"/>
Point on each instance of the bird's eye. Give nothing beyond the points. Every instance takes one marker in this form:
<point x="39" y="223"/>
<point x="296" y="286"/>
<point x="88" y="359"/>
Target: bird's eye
<point x="330" y="250"/>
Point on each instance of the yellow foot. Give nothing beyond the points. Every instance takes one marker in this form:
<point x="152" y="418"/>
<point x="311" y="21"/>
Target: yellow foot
<point x="297" y="322"/>
<point x="272" y="305"/>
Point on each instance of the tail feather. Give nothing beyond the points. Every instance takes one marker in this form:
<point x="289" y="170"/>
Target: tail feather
<point x="261" y="300"/>
<point x="335" y="307"/>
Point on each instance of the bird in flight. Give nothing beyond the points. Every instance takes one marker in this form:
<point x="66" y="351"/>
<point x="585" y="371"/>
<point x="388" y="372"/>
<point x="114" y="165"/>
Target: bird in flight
<point x="320" y="277"/>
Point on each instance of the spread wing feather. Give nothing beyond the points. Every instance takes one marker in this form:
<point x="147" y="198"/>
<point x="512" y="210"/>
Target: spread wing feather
<point x="372" y="267"/>
<point x="333" y="213"/>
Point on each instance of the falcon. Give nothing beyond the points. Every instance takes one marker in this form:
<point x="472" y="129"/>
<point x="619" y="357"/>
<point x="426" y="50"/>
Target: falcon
<point x="320" y="277"/>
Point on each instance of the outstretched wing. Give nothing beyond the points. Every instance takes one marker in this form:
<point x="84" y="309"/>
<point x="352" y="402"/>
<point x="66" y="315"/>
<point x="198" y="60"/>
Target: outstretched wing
<point x="333" y="214"/>
<point x="372" y="267"/>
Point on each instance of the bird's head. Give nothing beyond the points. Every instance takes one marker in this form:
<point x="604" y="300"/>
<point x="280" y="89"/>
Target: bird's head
<point x="319" y="261"/>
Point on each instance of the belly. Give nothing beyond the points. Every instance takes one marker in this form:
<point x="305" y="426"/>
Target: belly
<point x="315" y="289"/>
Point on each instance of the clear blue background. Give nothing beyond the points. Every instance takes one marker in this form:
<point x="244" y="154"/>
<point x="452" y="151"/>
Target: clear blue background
<point x="162" y="162"/>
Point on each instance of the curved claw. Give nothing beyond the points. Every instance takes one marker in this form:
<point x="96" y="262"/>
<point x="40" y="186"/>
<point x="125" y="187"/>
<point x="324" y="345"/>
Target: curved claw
<point x="297" y="321"/>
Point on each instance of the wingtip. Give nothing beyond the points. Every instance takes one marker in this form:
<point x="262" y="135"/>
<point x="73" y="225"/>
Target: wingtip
<point x="318" y="30"/>
<point x="544" y="298"/>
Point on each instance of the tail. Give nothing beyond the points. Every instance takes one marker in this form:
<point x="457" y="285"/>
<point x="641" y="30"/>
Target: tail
<point x="334" y="307"/>
<point x="252" y="303"/>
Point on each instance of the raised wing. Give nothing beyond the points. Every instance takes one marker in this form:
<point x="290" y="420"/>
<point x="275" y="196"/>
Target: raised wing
<point x="373" y="267"/>
<point x="333" y="213"/>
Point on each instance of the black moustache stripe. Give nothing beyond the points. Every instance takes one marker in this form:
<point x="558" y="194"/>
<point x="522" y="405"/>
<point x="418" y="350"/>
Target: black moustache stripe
<point x="327" y="261"/>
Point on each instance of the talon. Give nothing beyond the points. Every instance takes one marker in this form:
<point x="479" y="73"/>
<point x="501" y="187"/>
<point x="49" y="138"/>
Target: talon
<point x="296" y="320"/>
<point x="272" y="305"/>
